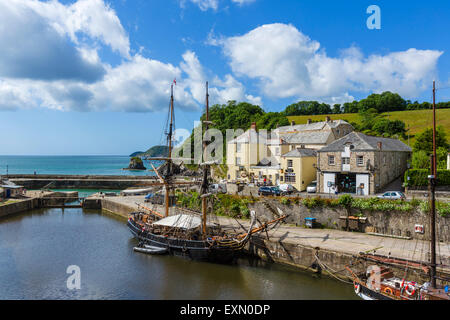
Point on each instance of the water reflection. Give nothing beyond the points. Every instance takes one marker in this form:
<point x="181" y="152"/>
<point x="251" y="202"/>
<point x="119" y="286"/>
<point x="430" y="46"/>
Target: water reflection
<point x="37" y="247"/>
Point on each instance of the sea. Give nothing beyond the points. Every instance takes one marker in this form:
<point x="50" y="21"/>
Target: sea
<point x="72" y="165"/>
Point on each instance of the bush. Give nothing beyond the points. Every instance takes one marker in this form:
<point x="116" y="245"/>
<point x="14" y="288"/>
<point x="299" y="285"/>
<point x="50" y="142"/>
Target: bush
<point x="345" y="200"/>
<point x="419" y="177"/>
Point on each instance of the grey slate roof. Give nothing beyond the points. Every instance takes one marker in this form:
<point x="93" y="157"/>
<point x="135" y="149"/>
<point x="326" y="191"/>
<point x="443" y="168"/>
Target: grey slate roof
<point x="301" y="152"/>
<point x="252" y="136"/>
<point x="311" y="126"/>
<point x="364" y="142"/>
<point x="308" y="137"/>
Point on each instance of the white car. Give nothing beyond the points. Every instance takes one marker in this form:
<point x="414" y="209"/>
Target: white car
<point x="287" y="188"/>
<point x="218" y="188"/>
<point x="312" y="187"/>
<point x="393" y="195"/>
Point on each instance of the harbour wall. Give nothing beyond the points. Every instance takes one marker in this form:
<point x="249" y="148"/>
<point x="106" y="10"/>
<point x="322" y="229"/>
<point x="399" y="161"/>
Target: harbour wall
<point x="390" y="223"/>
<point x="329" y="262"/>
<point x="18" y="207"/>
<point x="82" y="182"/>
<point x="47" y="198"/>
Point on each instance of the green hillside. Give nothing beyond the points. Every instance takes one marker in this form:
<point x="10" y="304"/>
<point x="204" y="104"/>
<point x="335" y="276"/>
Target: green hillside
<point x="155" y="151"/>
<point x="415" y="120"/>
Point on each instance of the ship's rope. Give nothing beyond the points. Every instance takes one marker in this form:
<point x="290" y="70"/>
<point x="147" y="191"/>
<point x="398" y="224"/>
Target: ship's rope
<point x="329" y="270"/>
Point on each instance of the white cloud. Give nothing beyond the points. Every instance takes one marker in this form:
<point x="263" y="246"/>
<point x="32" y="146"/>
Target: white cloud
<point x="220" y="91"/>
<point x="204" y="4"/>
<point x="33" y="49"/>
<point x="93" y="18"/>
<point x="287" y="63"/>
<point x="49" y="59"/>
<point x="242" y="2"/>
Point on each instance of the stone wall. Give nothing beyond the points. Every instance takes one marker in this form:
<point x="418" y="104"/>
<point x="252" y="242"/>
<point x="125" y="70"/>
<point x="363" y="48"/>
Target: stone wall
<point x="18" y="207"/>
<point x="396" y="223"/>
<point x="304" y="257"/>
<point x="388" y="166"/>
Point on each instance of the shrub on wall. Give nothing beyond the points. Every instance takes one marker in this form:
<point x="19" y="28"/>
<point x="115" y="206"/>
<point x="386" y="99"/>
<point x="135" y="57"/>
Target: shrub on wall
<point x="419" y="177"/>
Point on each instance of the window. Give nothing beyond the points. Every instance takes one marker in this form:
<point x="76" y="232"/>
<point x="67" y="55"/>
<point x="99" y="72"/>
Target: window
<point x="345" y="160"/>
<point x="238" y="161"/>
<point x="331" y="160"/>
<point x="289" y="163"/>
<point x="238" y="147"/>
<point x="289" y="178"/>
<point x="360" y="160"/>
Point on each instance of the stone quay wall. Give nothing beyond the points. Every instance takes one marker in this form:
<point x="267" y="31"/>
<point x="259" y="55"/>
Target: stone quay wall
<point x="392" y="223"/>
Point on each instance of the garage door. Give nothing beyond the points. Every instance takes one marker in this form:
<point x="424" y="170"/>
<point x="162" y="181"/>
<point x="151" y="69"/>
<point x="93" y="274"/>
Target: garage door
<point x="328" y="177"/>
<point x="362" y="180"/>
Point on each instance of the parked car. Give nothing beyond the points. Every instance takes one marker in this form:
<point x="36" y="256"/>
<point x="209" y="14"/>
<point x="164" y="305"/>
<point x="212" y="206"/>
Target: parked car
<point x="277" y="191"/>
<point x="265" y="191"/>
<point x="393" y="195"/>
<point x="312" y="187"/>
<point x="218" y="188"/>
<point x="287" y="188"/>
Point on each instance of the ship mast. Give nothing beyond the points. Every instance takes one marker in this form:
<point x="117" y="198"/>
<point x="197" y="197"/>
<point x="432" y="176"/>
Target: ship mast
<point x="432" y="187"/>
<point x="204" y="188"/>
<point x="169" y="160"/>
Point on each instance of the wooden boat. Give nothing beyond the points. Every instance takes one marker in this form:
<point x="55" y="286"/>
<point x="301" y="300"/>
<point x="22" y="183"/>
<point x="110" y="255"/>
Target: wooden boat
<point x="189" y="235"/>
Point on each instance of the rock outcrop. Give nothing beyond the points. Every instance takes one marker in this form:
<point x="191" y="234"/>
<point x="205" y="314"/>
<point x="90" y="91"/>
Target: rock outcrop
<point x="136" y="164"/>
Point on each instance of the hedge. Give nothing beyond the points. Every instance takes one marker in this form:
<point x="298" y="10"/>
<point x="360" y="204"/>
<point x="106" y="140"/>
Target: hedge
<point x="419" y="177"/>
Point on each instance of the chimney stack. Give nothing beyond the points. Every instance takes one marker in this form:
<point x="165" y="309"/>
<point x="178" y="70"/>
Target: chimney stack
<point x="380" y="144"/>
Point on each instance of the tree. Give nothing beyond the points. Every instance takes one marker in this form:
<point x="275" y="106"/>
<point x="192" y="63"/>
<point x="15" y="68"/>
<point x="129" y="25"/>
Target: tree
<point x="336" y="108"/>
<point x="387" y="101"/>
<point x="389" y="128"/>
<point x="420" y="160"/>
<point x="351" y="107"/>
<point x="424" y="140"/>
<point x="441" y="155"/>
<point x="272" y="120"/>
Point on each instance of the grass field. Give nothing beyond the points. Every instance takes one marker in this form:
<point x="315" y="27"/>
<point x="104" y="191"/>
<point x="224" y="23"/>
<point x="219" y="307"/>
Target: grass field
<point x="415" y="120"/>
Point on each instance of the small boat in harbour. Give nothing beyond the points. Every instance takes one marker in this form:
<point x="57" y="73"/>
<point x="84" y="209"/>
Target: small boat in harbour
<point x="150" y="249"/>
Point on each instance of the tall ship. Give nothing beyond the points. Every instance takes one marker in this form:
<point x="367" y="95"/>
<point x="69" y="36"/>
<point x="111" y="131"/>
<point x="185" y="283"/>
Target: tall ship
<point x="188" y="234"/>
<point x="378" y="281"/>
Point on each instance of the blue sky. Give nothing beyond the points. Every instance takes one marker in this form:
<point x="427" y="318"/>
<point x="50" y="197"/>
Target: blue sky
<point x="93" y="76"/>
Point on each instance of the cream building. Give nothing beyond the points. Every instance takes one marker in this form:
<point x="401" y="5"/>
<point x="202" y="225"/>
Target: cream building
<point x="257" y="155"/>
<point x="299" y="167"/>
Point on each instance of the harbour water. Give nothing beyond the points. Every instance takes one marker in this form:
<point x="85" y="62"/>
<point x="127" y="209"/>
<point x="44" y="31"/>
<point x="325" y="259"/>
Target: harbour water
<point x="77" y="165"/>
<point x="37" y="247"/>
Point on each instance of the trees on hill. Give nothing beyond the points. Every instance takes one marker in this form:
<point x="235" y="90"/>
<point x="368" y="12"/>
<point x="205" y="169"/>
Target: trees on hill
<point x="373" y="123"/>
<point x="307" y="108"/>
<point x="384" y="102"/>
<point x="423" y="147"/>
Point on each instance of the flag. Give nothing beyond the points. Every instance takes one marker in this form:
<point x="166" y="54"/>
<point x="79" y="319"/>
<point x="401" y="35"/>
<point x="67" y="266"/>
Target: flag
<point x="175" y="81"/>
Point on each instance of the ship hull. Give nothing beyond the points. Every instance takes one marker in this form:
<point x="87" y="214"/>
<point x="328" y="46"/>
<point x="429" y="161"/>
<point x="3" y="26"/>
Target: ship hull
<point x="192" y="249"/>
<point x="369" y="294"/>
